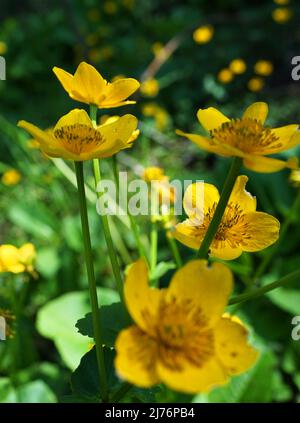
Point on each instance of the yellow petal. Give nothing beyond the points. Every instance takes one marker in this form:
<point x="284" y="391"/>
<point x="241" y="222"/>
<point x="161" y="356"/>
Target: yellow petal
<point x="211" y="118"/>
<point x="267" y="164"/>
<point x="141" y="300"/>
<point x="116" y="135"/>
<point x="188" y="234"/>
<point x="205" y="143"/>
<point x="192" y="379"/>
<point x="136" y="357"/>
<point x="65" y="78"/>
<point x="10" y="259"/>
<point x="27" y="253"/>
<point x="257" y="111"/>
<point x="241" y="197"/>
<point x="88" y="84"/>
<point x="47" y="141"/>
<point x="74" y="117"/>
<point x="207" y="287"/>
<point x="199" y="198"/>
<point x="119" y="90"/>
<point x="224" y="250"/>
<point x="232" y="347"/>
<point x="287" y="136"/>
<point x="259" y="230"/>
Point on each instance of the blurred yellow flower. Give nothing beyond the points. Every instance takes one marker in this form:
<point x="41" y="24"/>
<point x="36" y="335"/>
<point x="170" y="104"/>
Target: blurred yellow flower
<point x="158" y="50"/>
<point x="154" y="174"/>
<point x="282" y="15"/>
<point x="225" y="76"/>
<point x="160" y="115"/>
<point x="256" y="84"/>
<point x="179" y="336"/>
<point x="75" y="138"/>
<point x="17" y="260"/>
<point x="88" y="86"/>
<point x="150" y="87"/>
<point x="93" y="14"/>
<point x="203" y="34"/>
<point x="110" y="7"/>
<point x="263" y="67"/>
<point x="238" y="66"/>
<point x="3" y="47"/>
<point x="242" y="228"/>
<point x="294" y="178"/>
<point x="11" y="177"/>
<point x="247" y="138"/>
<point x="160" y="183"/>
<point x="282" y="2"/>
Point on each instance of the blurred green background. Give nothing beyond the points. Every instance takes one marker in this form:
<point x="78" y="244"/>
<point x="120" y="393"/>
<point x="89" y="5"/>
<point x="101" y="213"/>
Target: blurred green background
<point x="185" y="54"/>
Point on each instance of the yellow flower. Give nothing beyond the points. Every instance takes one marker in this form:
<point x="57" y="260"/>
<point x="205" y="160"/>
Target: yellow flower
<point x="75" y="138"/>
<point x="256" y="84"/>
<point x="238" y="66"/>
<point x="11" y="177"/>
<point x="263" y="67"/>
<point x="247" y="138"/>
<point x="203" y="34"/>
<point x="3" y="47"/>
<point x="110" y="119"/>
<point x="242" y="228"/>
<point x="179" y="336"/>
<point x="295" y="178"/>
<point x="110" y="7"/>
<point x="88" y="86"/>
<point x="282" y="2"/>
<point x="153" y="174"/>
<point x="17" y="260"/>
<point x="282" y="15"/>
<point x="225" y="76"/>
<point x="150" y="87"/>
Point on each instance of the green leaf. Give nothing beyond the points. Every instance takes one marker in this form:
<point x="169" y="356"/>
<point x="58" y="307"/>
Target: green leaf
<point x="48" y="262"/>
<point x="114" y="318"/>
<point x="35" y="392"/>
<point x="56" y="321"/>
<point x="162" y="268"/>
<point x="287" y="299"/>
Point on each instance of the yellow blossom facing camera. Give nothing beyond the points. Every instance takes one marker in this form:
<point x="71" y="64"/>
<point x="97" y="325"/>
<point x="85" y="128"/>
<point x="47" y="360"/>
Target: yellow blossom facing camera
<point x="3" y="47"/>
<point x="74" y="137"/>
<point x="238" y="66"/>
<point x="11" y="177"/>
<point x="263" y="67"/>
<point x="203" y="34"/>
<point x="242" y="228"/>
<point x="256" y="84"/>
<point x="17" y="260"/>
<point x="282" y="15"/>
<point x="150" y="87"/>
<point x="180" y="336"/>
<point x="247" y="138"/>
<point x="225" y="76"/>
<point x="88" y="86"/>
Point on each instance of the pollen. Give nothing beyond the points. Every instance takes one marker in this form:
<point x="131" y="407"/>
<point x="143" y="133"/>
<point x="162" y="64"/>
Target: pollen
<point x="248" y="135"/>
<point x="79" y="138"/>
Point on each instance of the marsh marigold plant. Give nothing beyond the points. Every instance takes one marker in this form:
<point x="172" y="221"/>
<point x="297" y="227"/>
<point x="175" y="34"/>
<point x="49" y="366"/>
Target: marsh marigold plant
<point x="242" y="228"/>
<point x="74" y="137"/>
<point x="180" y="335"/>
<point x="246" y="138"/>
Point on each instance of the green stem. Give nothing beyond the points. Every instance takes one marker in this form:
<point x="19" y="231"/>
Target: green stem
<point x="121" y="392"/>
<point x="291" y="277"/>
<point x="284" y="228"/>
<point x="91" y="280"/>
<point x="217" y="217"/>
<point x="153" y="240"/>
<point x="174" y="248"/>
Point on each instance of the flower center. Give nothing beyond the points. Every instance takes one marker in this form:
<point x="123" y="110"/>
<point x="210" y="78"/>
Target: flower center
<point x="78" y="138"/>
<point x="248" y="135"/>
<point x="183" y="334"/>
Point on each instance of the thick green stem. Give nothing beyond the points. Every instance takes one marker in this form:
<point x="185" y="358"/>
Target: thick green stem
<point x="91" y="280"/>
<point x="174" y="248"/>
<point x="217" y="217"/>
<point x="291" y="277"/>
<point x="273" y="250"/>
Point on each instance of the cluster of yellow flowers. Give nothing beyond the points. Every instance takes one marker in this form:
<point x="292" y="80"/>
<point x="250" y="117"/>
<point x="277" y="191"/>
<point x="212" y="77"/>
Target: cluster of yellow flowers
<point x="180" y="335"/>
<point x="17" y="260"/>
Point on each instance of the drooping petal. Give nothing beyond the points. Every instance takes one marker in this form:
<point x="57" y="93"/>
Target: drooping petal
<point x="225" y="250"/>
<point x="232" y="347"/>
<point x="88" y="84"/>
<point x="47" y="141"/>
<point x="188" y="234"/>
<point x="208" y="288"/>
<point x="141" y="300"/>
<point x="241" y="197"/>
<point x="268" y="164"/>
<point x="74" y="117"/>
<point x="65" y="78"/>
<point x="119" y="91"/>
<point x="257" y="230"/>
<point x="192" y="379"/>
<point x="287" y="137"/>
<point x="205" y="143"/>
<point x="199" y="199"/>
<point x="258" y="111"/>
<point x="211" y="118"/>
<point x="136" y="357"/>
